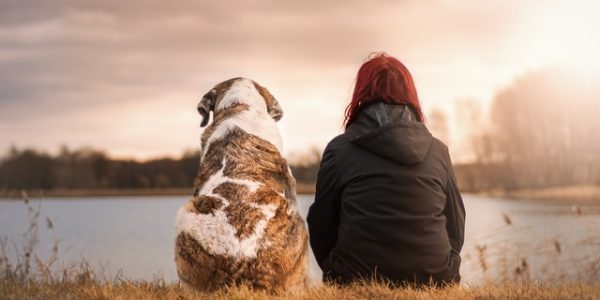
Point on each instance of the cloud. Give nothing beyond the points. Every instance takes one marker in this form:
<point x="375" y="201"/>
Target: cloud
<point x="82" y="72"/>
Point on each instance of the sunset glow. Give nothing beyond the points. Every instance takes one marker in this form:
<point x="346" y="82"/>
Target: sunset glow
<point x="125" y="77"/>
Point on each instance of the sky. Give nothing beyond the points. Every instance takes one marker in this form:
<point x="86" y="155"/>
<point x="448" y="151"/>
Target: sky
<point x="126" y="76"/>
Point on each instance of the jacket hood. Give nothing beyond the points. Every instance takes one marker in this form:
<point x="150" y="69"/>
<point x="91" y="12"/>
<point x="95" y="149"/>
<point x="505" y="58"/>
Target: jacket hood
<point x="391" y="131"/>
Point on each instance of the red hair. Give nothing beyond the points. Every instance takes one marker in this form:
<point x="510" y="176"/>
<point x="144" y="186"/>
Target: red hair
<point x="382" y="79"/>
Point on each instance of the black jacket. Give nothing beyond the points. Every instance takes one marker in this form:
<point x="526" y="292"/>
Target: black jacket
<point x="386" y="203"/>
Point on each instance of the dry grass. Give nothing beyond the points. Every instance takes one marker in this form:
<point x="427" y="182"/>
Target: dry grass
<point x="160" y="290"/>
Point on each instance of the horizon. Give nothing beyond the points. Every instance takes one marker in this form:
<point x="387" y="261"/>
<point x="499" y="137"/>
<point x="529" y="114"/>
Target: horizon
<point x="125" y="78"/>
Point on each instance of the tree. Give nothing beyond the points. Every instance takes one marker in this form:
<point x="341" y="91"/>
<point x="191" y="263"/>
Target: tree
<point x="438" y="124"/>
<point x="545" y="130"/>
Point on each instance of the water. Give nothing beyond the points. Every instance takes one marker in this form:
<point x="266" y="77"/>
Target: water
<point x="134" y="236"/>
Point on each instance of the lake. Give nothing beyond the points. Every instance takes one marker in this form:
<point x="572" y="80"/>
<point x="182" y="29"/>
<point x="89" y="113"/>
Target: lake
<point x="505" y="240"/>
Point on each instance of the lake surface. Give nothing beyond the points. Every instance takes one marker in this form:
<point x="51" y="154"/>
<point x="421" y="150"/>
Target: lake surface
<point x="505" y="240"/>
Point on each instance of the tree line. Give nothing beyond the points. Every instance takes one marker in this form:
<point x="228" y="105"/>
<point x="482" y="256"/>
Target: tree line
<point x="29" y="169"/>
<point x="543" y="131"/>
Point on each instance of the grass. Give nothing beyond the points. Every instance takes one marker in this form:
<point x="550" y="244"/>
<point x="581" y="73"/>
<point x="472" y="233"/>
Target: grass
<point x="161" y="290"/>
<point x="32" y="275"/>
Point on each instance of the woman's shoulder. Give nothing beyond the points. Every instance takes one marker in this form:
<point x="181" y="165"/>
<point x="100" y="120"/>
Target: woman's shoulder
<point x="337" y="143"/>
<point x="440" y="150"/>
<point x="338" y="140"/>
<point x="438" y="145"/>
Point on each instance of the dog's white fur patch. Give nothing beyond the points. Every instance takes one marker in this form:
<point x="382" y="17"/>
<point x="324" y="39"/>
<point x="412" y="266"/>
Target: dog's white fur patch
<point x="213" y="231"/>
<point x="256" y="120"/>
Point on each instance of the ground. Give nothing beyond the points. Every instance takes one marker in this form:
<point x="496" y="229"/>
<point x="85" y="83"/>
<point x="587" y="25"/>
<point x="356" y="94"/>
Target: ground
<point x="159" y="290"/>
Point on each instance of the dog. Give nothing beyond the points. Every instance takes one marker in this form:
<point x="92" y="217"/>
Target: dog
<point x="242" y="224"/>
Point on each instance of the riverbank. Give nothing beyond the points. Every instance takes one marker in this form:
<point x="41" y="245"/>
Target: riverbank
<point x="581" y="195"/>
<point x="160" y="290"/>
<point x="301" y="189"/>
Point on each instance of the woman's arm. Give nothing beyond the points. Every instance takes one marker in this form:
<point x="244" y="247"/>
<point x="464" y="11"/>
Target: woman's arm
<point x="454" y="212"/>
<point x="324" y="214"/>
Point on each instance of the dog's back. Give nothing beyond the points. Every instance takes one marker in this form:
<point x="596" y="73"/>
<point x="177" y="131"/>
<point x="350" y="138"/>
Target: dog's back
<point x="242" y="225"/>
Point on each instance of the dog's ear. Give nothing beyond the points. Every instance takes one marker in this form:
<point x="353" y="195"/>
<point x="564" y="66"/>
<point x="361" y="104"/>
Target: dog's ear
<point x="273" y="107"/>
<point x="206" y="105"/>
<point x="275" y="110"/>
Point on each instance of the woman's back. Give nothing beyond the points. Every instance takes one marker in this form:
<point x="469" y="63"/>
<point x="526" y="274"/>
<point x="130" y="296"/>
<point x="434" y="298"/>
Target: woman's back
<point x="386" y="202"/>
<point x="392" y="176"/>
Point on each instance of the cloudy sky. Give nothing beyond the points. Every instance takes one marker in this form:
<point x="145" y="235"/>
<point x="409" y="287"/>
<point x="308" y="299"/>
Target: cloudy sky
<point x="125" y="76"/>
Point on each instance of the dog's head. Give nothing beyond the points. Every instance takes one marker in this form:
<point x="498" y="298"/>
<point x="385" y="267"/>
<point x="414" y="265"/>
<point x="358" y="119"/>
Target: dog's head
<point x="238" y="91"/>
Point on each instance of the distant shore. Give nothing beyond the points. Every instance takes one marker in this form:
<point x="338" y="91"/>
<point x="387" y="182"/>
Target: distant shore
<point x="585" y="195"/>
<point x="588" y="194"/>
<point x="301" y="189"/>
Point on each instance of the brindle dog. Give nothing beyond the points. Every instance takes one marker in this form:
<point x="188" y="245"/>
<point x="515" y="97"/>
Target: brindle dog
<point x="242" y="225"/>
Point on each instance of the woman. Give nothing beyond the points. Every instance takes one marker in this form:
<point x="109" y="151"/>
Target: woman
<point x="387" y="206"/>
